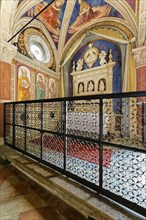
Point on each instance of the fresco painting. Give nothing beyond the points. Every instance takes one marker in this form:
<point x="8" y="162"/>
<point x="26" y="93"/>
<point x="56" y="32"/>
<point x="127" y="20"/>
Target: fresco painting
<point x="88" y="10"/>
<point x="52" y="88"/>
<point x="23" y="83"/>
<point x="51" y="17"/>
<point x="40" y="86"/>
<point x="132" y="4"/>
<point x="84" y="12"/>
<point x="87" y="13"/>
<point x="34" y="84"/>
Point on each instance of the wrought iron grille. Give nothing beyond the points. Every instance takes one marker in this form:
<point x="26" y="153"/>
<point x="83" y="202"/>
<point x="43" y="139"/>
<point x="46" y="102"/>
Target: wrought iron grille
<point x="100" y="141"/>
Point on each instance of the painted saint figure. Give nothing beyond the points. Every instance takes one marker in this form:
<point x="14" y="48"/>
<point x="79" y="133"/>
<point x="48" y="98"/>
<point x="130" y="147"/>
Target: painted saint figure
<point x="23" y="84"/>
<point x="88" y="13"/>
<point x="52" y="88"/>
<point x="40" y="87"/>
<point x="50" y="15"/>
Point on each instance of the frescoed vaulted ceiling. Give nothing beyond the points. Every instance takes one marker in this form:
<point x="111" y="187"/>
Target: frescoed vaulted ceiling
<point x="63" y="18"/>
<point x="65" y="22"/>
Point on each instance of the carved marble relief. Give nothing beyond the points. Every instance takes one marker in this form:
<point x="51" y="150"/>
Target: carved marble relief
<point x="97" y="80"/>
<point x="91" y="55"/>
<point x="86" y="67"/>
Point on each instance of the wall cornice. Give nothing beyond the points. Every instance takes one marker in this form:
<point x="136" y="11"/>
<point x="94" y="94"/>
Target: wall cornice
<point x="36" y="65"/>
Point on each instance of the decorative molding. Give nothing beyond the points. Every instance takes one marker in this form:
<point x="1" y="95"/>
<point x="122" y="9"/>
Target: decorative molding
<point x="94" y="75"/>
<point x="3" y="101"/>
<point x="111" y="33"/>
<point x="4" y="36"/>
<point x="35" y="36"/>
<point x="139" y="55"/>
<point x="126" y="11"/>
<point x="112" y="23"/>
<point x="64" y="27"/>
<point x="6" y="11"/>
<point x="142" y="22"/>
<point x="7" y="51"/>
<point x="13" y="80"/>
<point x="33" y="84"/>
<point x="23" y="8"/>
<point x="38" y="25"/>
<point x="36" y="65"/>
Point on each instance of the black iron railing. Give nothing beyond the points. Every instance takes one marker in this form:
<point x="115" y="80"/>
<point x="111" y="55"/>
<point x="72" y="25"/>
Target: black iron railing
<point x="100" y="141"/>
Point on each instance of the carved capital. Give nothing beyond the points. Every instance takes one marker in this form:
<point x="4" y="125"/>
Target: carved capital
<point x="139" y="55"/>
<point x="7" y="52"/>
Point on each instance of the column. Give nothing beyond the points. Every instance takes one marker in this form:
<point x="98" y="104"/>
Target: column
<point x="139" y="55"/>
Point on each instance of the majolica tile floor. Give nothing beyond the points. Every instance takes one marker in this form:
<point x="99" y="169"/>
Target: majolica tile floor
<point x="22" y="199"/>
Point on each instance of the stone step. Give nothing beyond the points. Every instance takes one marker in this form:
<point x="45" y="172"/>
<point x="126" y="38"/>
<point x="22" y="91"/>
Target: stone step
<point x="86" y="202"/>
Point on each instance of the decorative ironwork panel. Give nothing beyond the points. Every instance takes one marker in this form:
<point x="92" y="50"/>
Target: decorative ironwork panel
<point x="33" y="142"/>
<point x="20" y="137"/>
<point x="83" y="118"/>
<point x="67" y="136"/>
<point x="9" y="113"/>
<point x="83" y="159"/>
<point x="53" y="116"/>
<point x="9" y="134"/>
<point x="20" y="114"/>
<point x="33" y="117"/>
<point x="124" y="122"/>
<point x="126" y="175"/>
<point x="53" y="149"/>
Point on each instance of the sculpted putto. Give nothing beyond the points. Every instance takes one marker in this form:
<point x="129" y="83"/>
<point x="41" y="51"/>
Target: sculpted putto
<point x="80" y="64"/>
<point x="102" y="57"/>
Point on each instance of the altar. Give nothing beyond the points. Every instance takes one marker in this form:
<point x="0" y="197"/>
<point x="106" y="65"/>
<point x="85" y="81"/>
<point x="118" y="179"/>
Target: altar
<point x="97" y="80"/>
<point x="92" y="81"/>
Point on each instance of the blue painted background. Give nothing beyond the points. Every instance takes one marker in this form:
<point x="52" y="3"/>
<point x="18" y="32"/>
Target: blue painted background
<point x="93" y="3"/>
<point x="104" y="45"/>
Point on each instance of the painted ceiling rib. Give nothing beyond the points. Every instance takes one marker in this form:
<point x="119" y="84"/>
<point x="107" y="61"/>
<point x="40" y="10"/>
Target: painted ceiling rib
<point x="23" y="8"/>
<point x="29" y="21"/>
<point x="125" y="10"/>
<point x="64" y="27"/>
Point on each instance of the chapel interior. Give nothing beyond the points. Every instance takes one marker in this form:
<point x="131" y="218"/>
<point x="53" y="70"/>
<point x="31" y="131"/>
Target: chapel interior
<point x="72" y="98"/>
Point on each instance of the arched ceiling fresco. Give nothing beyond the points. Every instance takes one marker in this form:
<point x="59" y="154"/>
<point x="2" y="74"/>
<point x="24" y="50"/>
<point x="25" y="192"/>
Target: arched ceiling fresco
<point x="66" y="21"/>
<point x="63" y="18"/>
<point x="132" y="4"/>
